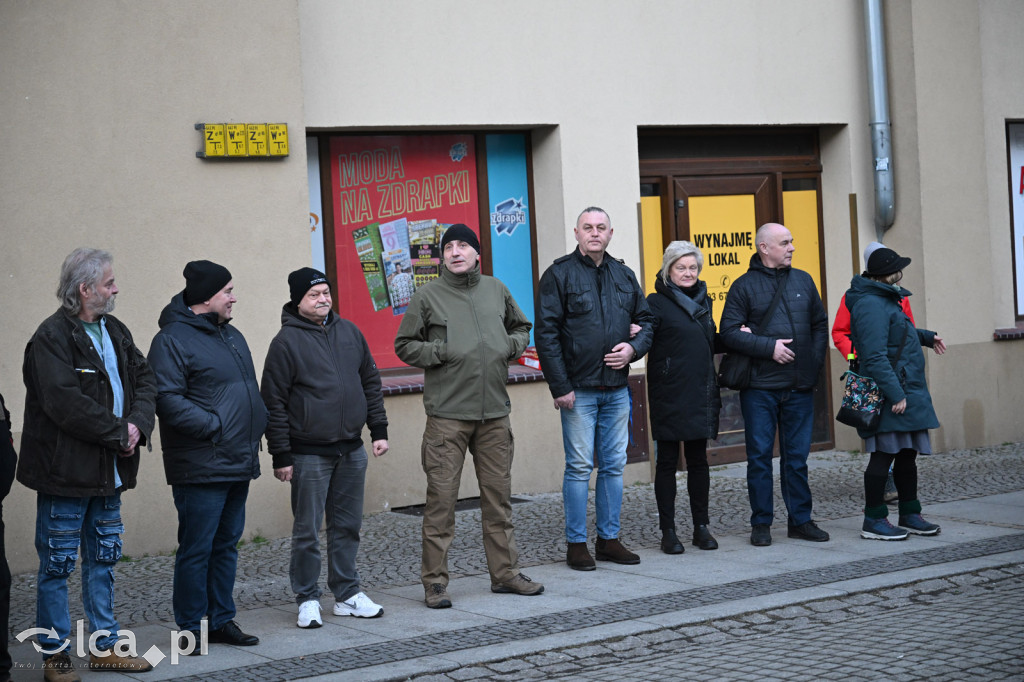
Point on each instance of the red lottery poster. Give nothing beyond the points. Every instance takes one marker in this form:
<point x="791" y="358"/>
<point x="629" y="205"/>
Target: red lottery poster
<point x="394" y="195"/>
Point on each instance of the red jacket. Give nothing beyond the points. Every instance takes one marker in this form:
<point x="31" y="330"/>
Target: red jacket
<point x="841" y="327"/>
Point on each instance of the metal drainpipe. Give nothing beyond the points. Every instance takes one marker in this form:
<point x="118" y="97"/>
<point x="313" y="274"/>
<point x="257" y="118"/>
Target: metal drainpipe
<point x="881" y="127"/>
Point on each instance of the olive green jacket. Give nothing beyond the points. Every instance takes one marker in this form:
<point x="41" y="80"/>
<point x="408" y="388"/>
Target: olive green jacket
<point x="463" y="330"/>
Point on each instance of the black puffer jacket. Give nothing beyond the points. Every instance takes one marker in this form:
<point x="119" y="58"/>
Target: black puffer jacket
<point x="799" y="315"/>
<point x="320" y="385"/>
<point x="71" y="439"/>
<point x="585" y="311"/>
<point x="681" y="381"/>
<point x="208" y="401"/>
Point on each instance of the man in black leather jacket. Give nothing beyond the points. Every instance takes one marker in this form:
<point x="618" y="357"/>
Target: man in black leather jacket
<point x="787" y="354"/>
<point x="588" y="302"/>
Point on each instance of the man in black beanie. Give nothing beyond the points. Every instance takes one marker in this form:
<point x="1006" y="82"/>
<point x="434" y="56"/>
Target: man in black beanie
<point x="211" y="421"/>
<point x="321" y="387"/>
<point x="203" y="280"/>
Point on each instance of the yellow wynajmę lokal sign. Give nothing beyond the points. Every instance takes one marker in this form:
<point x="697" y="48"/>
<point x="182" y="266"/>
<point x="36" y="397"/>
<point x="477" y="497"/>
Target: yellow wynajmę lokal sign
<point x="243" y="140"/>
<point x="723" y="227"/>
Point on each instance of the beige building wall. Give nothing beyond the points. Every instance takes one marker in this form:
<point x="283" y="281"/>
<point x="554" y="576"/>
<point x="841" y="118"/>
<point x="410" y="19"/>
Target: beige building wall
<point x="100" y="99"/>
<point x="953" y="66"/>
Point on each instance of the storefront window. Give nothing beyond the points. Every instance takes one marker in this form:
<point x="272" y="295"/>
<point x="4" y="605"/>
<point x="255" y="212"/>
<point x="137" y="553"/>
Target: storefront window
<point x="393" y="196"/>
<point x="1015" y="139"/>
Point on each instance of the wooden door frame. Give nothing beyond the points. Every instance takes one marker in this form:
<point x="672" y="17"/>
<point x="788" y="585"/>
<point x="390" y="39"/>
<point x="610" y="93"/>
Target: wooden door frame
<point x="723" y="171"/>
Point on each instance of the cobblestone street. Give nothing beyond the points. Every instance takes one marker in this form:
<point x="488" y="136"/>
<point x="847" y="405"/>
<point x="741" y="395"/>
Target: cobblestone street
<point x="849" y="608"/>
<point x="963" y="627"/>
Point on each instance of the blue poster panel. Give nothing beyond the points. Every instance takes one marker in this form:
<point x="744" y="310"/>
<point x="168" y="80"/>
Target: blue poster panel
<point x="511" y="254"/>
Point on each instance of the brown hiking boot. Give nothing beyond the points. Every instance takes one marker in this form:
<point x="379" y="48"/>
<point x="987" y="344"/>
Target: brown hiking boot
<point x="437" y="597"/>
<point x="59" y="669"/>
<point x="518" y="585"/>
<point x="119" y="663"/>
<point x="613" y="550"/>
<point x="578" y="557"/>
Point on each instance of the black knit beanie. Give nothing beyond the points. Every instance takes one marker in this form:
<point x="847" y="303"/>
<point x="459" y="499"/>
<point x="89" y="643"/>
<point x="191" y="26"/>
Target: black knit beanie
<point x="302" y="280"/>
<point x="203" y="279"/>
<point x="462" y="233"/>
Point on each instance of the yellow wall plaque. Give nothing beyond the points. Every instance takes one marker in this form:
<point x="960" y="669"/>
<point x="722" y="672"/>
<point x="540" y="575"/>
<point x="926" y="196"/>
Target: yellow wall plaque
<point x="256" y="139"/>
<point x="243" y="140"/>
<point x="277" y="143"/>
<point x="213" y="139"/>
<point x="236" y="139"/>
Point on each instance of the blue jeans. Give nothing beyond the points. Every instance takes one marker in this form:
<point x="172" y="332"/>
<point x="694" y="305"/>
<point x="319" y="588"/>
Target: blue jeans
<point x="211" y="517"/>
<point x="63" y="524"/>
<point x="598" y="424"/>
<point x="791" y="413"/>
<point x="335" y="484"/>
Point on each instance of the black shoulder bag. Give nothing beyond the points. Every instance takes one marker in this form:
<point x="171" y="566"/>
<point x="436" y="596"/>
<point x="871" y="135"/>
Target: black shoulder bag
<point x="735" y="368"/>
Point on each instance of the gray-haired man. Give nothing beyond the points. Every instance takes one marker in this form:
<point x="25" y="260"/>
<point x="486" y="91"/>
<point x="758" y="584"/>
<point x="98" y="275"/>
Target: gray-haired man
<point x="90" y="398"/>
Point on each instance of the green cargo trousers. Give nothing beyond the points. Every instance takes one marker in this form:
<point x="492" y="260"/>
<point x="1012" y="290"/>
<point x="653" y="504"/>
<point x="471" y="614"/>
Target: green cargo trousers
<point x="443" y="453"/>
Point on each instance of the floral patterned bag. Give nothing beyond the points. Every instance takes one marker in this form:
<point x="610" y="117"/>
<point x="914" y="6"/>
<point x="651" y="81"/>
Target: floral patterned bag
<point x="862" y="399"/>
<point x="862" y="402"/>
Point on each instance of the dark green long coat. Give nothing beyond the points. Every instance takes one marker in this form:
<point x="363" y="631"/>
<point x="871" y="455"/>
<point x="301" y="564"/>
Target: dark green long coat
<point x="877" y="326"/>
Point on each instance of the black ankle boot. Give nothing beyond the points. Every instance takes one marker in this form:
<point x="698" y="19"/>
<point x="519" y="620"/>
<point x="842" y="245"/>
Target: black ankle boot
<point x="670" y="543"/>
<point x="703" y="538"/>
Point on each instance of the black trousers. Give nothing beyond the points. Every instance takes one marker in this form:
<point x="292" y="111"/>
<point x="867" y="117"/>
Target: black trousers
<point x="698" y="481"/>
<point x="5" y="605"/>
<point x="904" y="475"/>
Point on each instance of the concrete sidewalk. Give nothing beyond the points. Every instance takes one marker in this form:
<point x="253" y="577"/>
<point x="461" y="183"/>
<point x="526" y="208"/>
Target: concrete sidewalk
<point x="982" y="532"/>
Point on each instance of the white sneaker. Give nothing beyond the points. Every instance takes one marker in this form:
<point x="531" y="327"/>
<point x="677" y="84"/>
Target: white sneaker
<point x="359" y="606"/>
<point x="309" y="614"/>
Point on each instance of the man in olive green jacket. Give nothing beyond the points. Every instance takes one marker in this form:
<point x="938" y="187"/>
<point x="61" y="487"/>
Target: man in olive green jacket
<point x="463" y="329"/>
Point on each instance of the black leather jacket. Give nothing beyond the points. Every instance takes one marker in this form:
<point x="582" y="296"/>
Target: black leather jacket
<point x="211" y="414"/>
<point x="585" y="311"/>
<point x="71" y="439"/>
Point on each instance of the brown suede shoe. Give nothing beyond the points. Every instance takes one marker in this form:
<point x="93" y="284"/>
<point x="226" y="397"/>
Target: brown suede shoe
<point x="116" y="662"/>
<point x="578" y="557"/>
<point x="518" y="585"/>
<point x="59" y="668"/>
<point x="613" y="550"/>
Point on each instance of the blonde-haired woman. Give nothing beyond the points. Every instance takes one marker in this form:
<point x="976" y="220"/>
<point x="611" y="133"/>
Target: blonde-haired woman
<point x="682" y="388"/>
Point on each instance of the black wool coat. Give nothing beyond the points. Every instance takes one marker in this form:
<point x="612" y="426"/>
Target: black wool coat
<point x="682" y="386"/>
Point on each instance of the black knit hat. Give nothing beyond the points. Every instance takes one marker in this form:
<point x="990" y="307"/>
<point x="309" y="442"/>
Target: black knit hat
<point x="203" y="279"/>
<point x="885" y="262"/>
<point x="462" y="233"/>
<point x="304" y="279"/>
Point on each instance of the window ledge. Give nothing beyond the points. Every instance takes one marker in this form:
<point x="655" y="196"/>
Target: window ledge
<point x="1009" y="334"/>
<point x="411" y="381"/>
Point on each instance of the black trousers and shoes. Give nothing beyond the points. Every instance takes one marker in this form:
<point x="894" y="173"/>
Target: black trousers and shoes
<point x="698" y="487"/>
